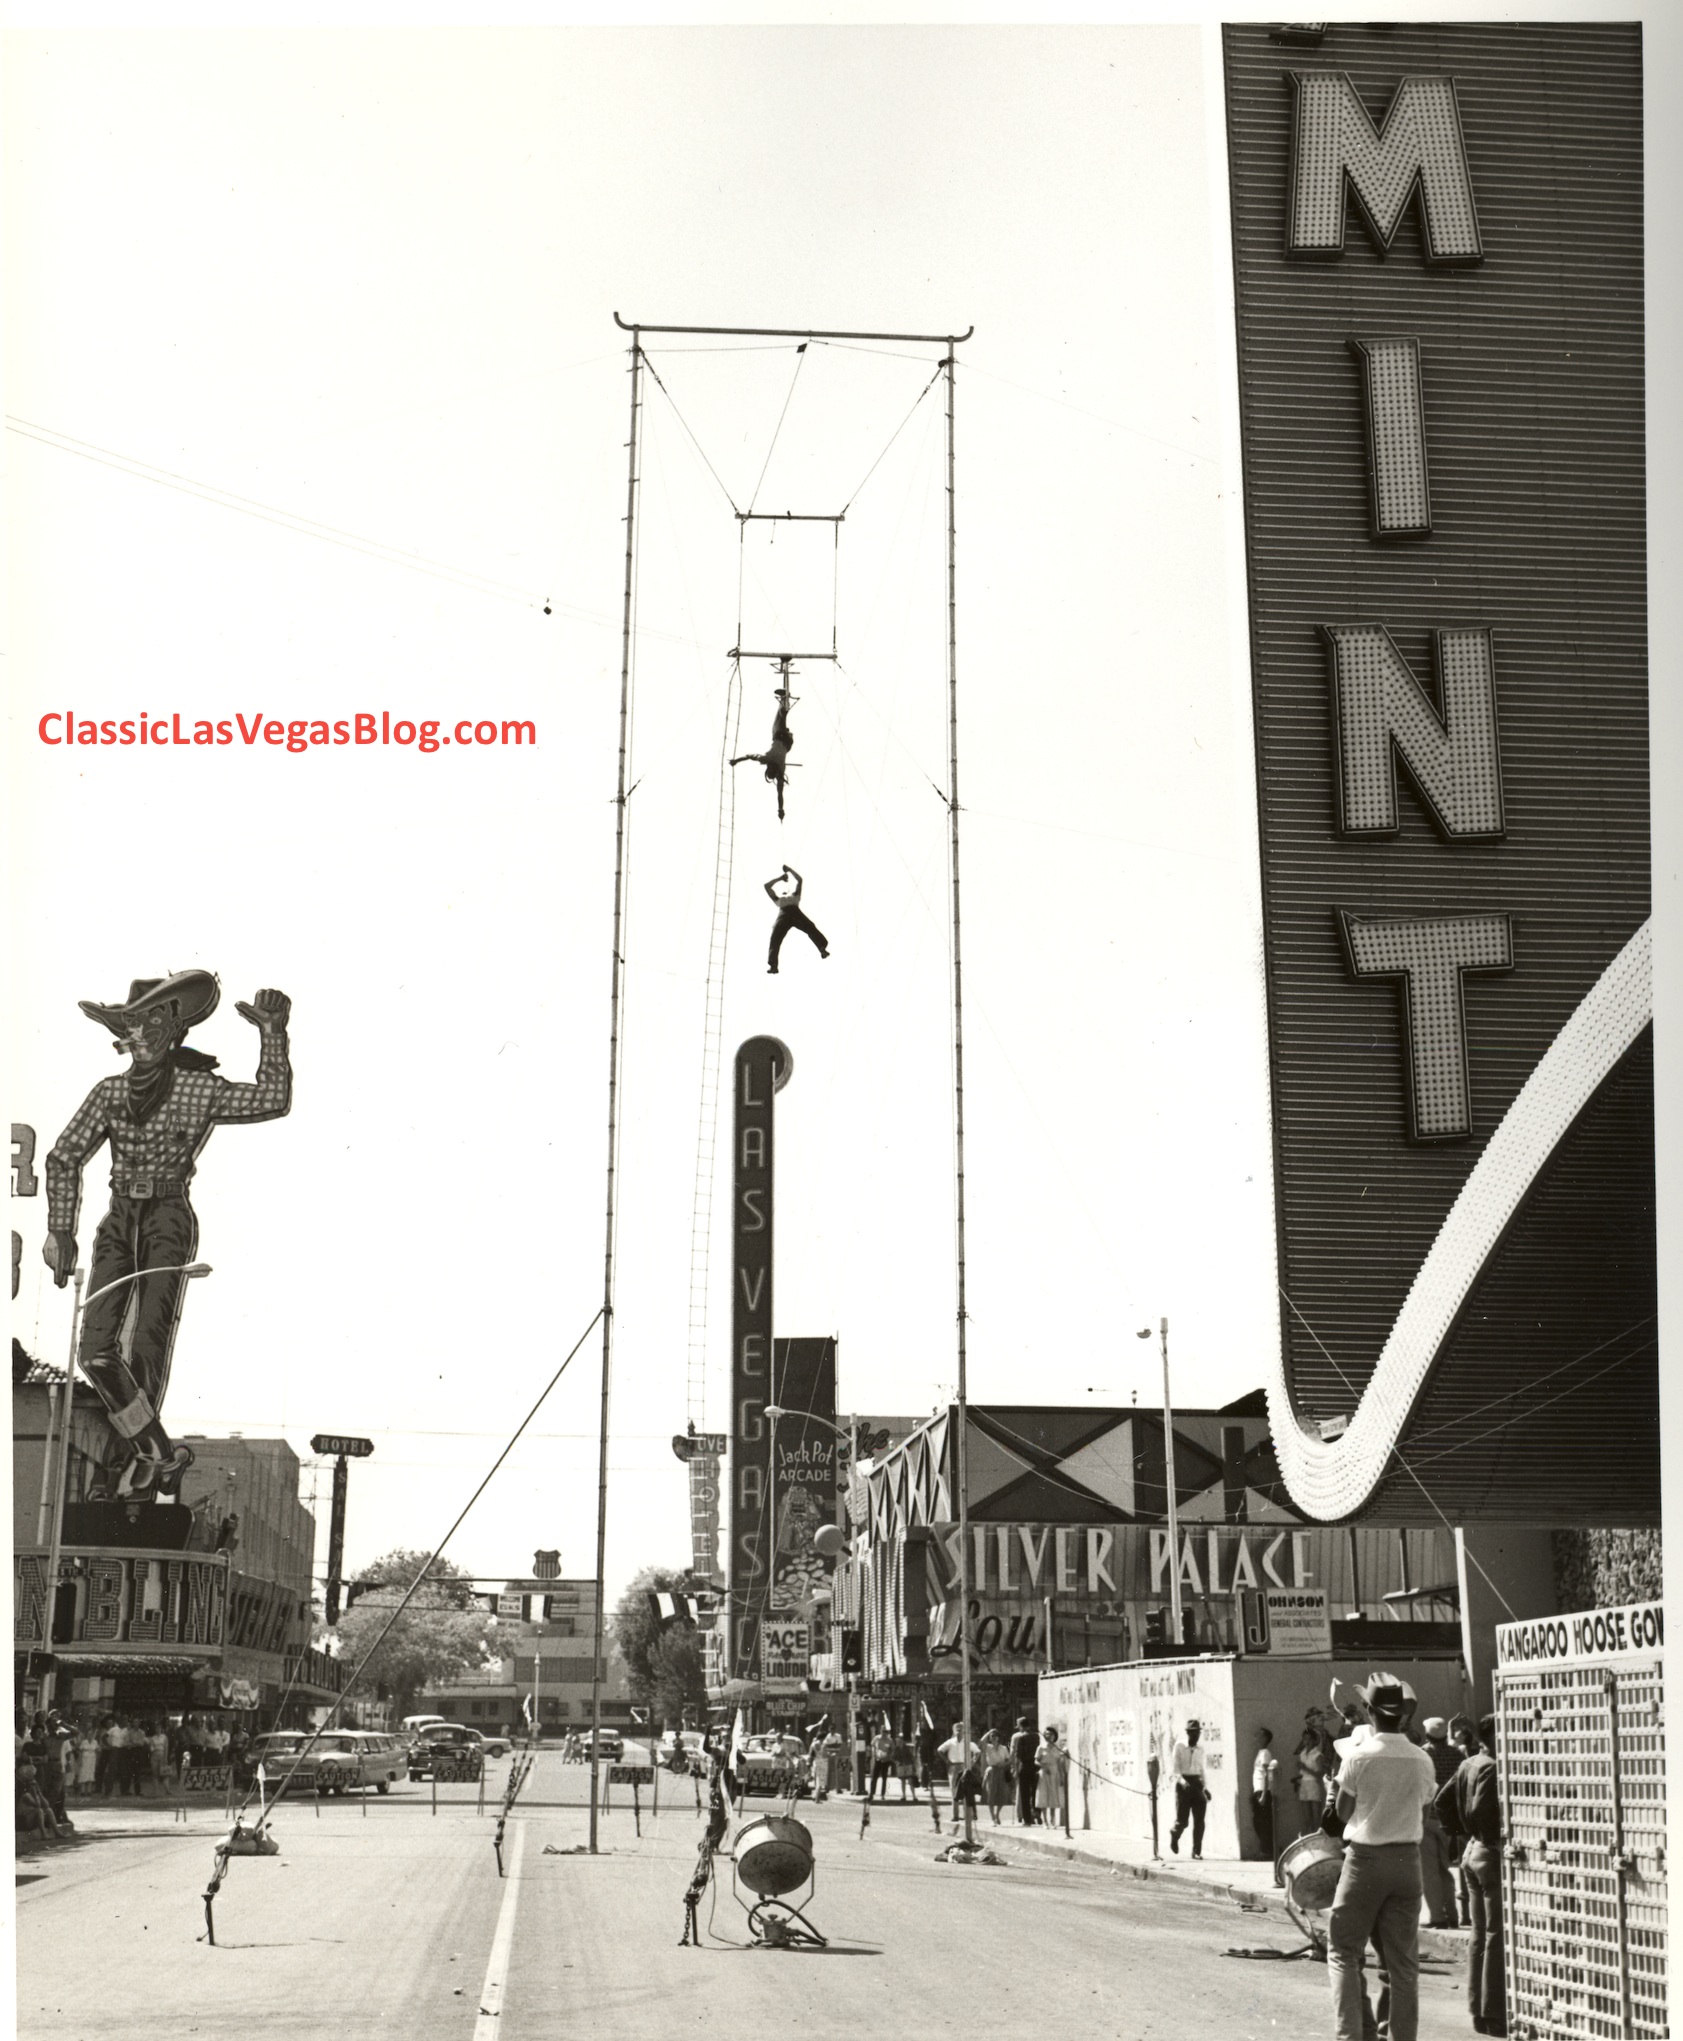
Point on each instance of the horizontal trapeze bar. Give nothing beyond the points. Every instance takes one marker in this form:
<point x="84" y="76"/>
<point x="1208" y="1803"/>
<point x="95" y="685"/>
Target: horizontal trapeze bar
<point x="791" y="516"/>
<point x="737" y="652"/>
<point x="795" y="332"/>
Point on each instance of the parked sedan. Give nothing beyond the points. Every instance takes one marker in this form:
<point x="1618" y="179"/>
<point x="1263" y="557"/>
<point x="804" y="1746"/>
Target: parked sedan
<point x="447" y="1750"/>
<point x="763" y="1767"/>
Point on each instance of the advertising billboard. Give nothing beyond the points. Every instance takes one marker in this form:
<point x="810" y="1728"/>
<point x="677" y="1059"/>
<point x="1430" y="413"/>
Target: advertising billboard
<point x="1438" y="267"/>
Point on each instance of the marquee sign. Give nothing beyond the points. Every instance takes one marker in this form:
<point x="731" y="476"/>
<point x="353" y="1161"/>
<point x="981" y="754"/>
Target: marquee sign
<point x="125" y="1601"/>
<point x="763" y="1066"/>
<point x="1438" y="283"/>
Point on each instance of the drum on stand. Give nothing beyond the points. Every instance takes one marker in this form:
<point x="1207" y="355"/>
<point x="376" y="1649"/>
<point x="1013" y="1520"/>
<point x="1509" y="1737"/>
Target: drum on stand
<point x="773" y="1857"/>
<point x="1310" y="1868"/>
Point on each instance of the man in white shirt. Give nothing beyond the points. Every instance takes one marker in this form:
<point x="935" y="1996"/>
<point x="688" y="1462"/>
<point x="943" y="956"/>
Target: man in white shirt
<point x="963" y="1774"/>
<point x="1264" y="1772"/>
<point x="1190" y="1795"/>
<point x="1384" y="1785"/>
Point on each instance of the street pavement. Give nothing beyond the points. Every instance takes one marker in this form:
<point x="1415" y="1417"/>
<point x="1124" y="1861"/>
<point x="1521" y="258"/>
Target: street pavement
<point x="382" y="1917"/>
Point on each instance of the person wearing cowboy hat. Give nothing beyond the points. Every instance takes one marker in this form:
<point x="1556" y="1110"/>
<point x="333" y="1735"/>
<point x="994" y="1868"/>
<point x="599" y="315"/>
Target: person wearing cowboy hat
<point x="157" y="1118"/>
<point x="1384" y="1785"/>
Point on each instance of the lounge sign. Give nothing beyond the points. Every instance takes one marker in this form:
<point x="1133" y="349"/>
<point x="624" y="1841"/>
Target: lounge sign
<point x="1438" y="270"/>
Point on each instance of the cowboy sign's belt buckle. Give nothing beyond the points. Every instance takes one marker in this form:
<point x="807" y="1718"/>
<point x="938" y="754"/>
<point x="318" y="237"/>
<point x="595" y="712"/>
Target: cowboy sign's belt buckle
<point x="140" y="1187"/>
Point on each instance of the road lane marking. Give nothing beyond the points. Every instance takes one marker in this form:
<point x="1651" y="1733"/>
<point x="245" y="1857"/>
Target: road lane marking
<point x="496" y="1971"/>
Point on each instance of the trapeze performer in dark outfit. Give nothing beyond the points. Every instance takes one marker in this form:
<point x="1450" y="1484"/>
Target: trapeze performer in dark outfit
<point x="775" y="758"/>
<point x="789" y="915"/>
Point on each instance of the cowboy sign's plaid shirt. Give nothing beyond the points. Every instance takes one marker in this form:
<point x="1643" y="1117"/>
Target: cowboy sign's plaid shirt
<point x="167" y="1145"/>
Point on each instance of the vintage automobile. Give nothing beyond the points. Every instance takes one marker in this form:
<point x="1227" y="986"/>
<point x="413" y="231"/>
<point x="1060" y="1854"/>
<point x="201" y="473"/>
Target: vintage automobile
<point x="349" y="1760"/>
<point x="287" y="1766"/>
<point x="680" y="1749"/>
<point x="447" y="1750"/>
<point x="762" y="1767"/>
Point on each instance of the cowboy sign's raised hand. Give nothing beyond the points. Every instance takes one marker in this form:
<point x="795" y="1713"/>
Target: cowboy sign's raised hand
<point x="269" y="1009"/>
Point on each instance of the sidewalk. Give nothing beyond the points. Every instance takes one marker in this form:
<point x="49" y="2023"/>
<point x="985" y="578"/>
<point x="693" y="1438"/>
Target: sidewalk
<point x="1248" y="1881"/>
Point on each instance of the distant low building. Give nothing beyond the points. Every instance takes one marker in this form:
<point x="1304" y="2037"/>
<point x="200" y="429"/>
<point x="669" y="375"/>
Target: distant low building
<point x="543" y="1639"/>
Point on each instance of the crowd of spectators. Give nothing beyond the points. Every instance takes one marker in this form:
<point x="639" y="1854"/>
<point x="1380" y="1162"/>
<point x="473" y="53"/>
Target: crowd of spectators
<point x="112" y="1756"/>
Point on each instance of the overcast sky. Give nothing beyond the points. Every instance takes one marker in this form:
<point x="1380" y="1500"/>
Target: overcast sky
<point x="318" y="406"/>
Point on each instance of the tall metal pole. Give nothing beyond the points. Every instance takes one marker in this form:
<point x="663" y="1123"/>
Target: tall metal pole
<point x="613" y="1061"/>
<point x="55" y="1543"/>
<point x="958" y="1112"/>
<point x="1169" y="1490"/>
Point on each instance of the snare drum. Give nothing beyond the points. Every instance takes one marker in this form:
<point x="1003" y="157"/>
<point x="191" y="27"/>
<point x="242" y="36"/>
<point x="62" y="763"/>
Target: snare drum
<point x="1309" y="1868"/>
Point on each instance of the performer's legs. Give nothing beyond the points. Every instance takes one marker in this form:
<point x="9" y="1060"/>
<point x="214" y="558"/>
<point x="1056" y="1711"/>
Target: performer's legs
<point x="808" y="928"/>
<point x="787" y="918"/>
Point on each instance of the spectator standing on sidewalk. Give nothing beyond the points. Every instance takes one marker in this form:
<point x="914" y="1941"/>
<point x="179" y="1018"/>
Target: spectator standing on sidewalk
<point x="1436" y="1850"/>
<point x="1311" y="1766"/>
<point x="1052" y="1796"/>
<point x="87" y="1760"/>
<point x="1191" y="1798"/>
<point x="963" y="1774"/>
<point x="1469" y="1805"/>
<point x="996" y="1770"/>
<point x="1384" y="1784"/>
<point x="1463" y="1742"/>
<point x="1264" y="1772"/>
<point x="882" y="1763"/>
<point x="1023" y="1771"/>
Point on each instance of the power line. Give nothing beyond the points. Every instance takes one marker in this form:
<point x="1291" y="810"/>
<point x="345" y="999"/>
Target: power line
<point x="269" y="513"/>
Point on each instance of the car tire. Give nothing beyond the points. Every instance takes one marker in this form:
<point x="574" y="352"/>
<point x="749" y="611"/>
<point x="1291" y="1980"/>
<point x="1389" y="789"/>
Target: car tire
<point x="382" y="1785"/>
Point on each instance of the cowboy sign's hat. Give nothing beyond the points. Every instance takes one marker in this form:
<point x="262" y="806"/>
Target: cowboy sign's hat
<point x="189" y="997"/>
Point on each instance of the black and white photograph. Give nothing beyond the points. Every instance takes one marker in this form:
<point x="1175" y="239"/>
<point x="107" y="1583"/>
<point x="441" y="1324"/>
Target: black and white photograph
<point x="842" y="874"/>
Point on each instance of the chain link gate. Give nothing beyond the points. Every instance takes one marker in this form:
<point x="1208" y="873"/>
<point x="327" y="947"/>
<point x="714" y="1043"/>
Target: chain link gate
<point x="1581" y="1771"/>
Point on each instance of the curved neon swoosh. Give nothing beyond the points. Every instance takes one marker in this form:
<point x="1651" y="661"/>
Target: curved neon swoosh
<point x="1334" y="1478"/>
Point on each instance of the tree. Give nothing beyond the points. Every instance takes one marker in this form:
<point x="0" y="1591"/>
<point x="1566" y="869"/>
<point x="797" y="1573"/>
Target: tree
<point x="663" y="1662"/>
<point x="440" y="1635"/>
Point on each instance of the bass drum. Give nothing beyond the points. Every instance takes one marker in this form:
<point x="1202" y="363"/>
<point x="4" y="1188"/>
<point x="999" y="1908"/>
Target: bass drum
<point x="1310" y="1868"/>
<point x="774" y="1855"/>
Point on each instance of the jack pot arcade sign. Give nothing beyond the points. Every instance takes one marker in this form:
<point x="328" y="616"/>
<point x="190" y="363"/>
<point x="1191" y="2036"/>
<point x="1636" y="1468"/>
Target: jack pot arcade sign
<point x="1438" y="285"/>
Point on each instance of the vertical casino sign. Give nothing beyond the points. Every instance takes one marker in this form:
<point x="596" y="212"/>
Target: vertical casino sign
<point x="1439" y="299"/>
<point x="763" y="1067"/>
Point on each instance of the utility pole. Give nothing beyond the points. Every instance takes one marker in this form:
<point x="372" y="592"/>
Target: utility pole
<point x="618" y="982"/>
<point x="1169" y="1490"/>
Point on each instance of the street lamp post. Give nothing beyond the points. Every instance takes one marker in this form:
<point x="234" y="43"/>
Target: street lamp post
<point x="1169" y="1488"/>
<point x="55" y="1547"/>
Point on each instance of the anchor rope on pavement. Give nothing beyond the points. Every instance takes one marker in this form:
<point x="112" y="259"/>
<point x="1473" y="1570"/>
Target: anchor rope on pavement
<point x="219" y="1865"/>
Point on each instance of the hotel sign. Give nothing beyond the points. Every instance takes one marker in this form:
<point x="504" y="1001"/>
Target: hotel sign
<point x="1438" y="286"/>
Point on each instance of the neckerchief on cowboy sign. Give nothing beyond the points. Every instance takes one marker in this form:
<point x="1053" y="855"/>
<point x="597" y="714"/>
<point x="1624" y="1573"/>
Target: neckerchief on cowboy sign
<point x="148" y="1089"/>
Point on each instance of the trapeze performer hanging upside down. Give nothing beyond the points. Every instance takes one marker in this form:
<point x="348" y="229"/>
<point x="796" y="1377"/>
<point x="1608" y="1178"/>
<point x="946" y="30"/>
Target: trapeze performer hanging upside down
<point x="776" y="758"/>
<point x="789" y="915"/>
<point x="156" y="1119"/>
